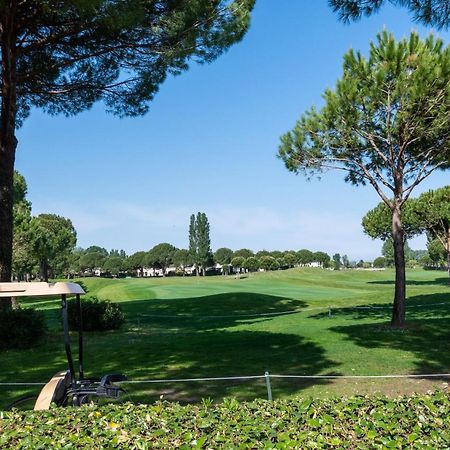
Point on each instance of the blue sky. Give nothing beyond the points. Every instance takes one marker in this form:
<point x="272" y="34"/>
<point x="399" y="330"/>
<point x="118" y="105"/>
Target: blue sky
<point x="209" y="144"/>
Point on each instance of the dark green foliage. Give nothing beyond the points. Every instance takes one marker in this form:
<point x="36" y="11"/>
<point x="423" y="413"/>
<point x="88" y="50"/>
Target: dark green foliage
<point x="401" y="86"/>
<point x="290" y="259"/>
<point x="268" y="263"/>
<point x="429" y="12"/>
<point x="379" y="262"/>
<point x="23" y="260"/>
<point x="340" y="423"/>
<point x="305" y="256"/>
<point x="204" y="252"/>
<point x="91" y="260"/>
<point x="243" y="252"/>
<point x="345" y="261"/>
<point x="160" y="256"/>
<point x="136" y="261"/>
<point x="63" y="56"/>
<point x="223" y="255"/>
<point x="98" y="315"/>
<point x="251" y="264"/>
<point x="52" y="239"/>
<point x="384" y="124"/>
<point x="388" y="252"/>
<point x="432" y="214"/>
<point x="114" y="265"/>
<point x="181" y="258"/>
<point x="96" y="249"/>
<point x="45" y="242"/>
<point x="436" y="252"/>
<point x="193" y="239"/>
<point x="377" y="222"/>
<point x="200" y="242"/>
<point x="322" y="258"/>
<point x="117" y="51"/>
<point x="337" y="261"/>
<point x="20" y="328"/>
<point x="238" y="262"/>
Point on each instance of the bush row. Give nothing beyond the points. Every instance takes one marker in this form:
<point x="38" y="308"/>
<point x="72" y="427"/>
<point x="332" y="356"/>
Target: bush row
<point x="97" y="315"/>
<point x="21" y="328"/>
<point x="356" y="423"/>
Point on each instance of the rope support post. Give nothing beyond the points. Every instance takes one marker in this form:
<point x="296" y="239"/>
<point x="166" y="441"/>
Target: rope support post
<point x="268" y="386"/>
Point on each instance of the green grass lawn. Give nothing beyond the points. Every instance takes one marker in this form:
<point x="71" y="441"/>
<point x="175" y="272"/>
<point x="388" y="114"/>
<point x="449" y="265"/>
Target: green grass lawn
<point x="209" y="327"/>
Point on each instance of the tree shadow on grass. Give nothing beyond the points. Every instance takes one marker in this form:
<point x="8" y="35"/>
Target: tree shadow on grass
<point x="427" y="334"/>
<point x="418" y="307"/>
<point x="441" y="281"/>
<point x="213" y="353"/>
<point x="188" y="338"/>
<point x="203" y="337"/>
<point x="210" y="312"/>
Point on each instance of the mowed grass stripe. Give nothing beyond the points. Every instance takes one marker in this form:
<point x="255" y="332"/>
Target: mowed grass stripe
<point x="351" y="341"/>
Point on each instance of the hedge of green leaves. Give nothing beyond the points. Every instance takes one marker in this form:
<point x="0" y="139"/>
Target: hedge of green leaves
<point x="421" y="422"/>
<point x="21" y="328"/>
<point x="98" y="315"/>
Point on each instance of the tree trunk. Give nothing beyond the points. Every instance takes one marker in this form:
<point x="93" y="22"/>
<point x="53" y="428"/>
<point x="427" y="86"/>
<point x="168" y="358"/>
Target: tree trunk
<point x="398" y="236"/>
<point x="448" y="251"/>
<point x="448" y="262"/>
<point x="8" y="144"/>
<point x="15" y="303"/>
<point x="43" y="270"/>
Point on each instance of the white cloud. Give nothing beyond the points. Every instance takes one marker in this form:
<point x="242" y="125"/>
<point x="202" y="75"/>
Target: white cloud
<point x="270" y="229"/>
<point x="134" y="227"/>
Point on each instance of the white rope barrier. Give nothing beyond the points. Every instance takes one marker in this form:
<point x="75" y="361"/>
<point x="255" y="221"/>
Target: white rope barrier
<point x="255" y="377"/>
<point x="332" y="377"/>
<point x="188" y="380"/>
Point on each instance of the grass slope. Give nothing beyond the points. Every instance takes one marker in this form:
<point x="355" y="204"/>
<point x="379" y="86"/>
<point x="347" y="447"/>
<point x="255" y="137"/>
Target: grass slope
<point x="206" y="327"/>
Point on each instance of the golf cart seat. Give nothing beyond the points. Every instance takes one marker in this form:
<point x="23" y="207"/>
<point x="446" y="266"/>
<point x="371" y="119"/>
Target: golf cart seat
<point x="54" y="391"/>
<point x="65" y="388"/>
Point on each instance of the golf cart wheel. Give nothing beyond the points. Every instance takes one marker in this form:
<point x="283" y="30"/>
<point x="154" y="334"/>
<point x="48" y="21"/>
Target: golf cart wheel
<point x="23" y="403"/>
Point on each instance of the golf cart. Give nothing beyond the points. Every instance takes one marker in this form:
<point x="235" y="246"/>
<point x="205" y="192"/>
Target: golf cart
<point x="64" y="389"/>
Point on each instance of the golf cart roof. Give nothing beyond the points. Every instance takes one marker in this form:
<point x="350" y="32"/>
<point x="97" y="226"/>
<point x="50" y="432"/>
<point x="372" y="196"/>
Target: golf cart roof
<point x="38" y="289"/>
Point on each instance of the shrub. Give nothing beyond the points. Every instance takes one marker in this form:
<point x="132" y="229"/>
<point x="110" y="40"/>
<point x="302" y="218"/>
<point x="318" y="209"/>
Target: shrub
<point x="419" y="422"/>
<point x="20" y="328"/>
<point x="98" y="315"/>
<point x="412" y="264"/>
<point x="379" y="262"/>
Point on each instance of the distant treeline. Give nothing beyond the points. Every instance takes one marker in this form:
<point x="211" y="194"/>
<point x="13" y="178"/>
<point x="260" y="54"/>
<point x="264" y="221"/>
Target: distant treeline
<point x="165" y="258"/>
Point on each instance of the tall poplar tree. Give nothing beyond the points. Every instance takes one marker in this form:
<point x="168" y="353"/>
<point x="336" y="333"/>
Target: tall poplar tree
<point x="385" y="124"/>
<point x="200" y="243"/>
<point x="204" y="252"/>
<point x="193" y="243"/>
<point x="65" y="55"/>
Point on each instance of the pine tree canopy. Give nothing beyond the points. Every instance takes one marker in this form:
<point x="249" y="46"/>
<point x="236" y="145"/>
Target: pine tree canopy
<point x="64" y="55"/>
<point x="71" y="54"/>
<point x="385" y="123"/>
<point x="429" y="12"/>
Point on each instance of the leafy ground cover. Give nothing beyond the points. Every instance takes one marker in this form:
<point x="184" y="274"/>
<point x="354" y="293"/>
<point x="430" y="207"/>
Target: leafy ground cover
<point x="417" y="422"/>
<point x="223" y="326"/>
